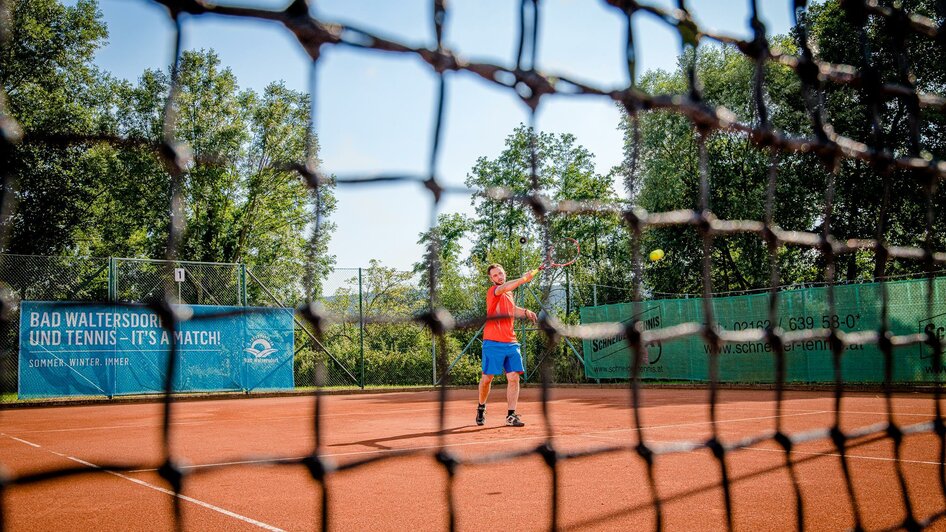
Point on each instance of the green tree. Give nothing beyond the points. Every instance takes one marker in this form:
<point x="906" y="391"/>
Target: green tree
<point x="598" y="233"/>
<point x="129" y="216"/>
<point x="52" y="88"/>
<point x="864" y="198"/>
<point x="276" y="207"/>
<point x="669" y="175"/>
<point x="212" y="119"/>
<point x="456" y="288"/>
<point x="503" y="219"/>
<point x="242" y="199"/>
<point x="895" y="55"/>
<point x="565" y="172"/>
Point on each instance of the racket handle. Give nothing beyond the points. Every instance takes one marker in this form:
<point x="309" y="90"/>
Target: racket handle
<point x="535" y="271"/>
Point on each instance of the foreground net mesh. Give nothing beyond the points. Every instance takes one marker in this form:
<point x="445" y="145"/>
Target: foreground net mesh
<point x="531" y="86"/>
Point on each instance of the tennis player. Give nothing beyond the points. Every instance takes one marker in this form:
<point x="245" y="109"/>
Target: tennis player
<point x="500" y="348"/>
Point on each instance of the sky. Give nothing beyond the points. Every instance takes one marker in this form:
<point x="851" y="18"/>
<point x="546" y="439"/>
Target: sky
<point x="375" y="111"/>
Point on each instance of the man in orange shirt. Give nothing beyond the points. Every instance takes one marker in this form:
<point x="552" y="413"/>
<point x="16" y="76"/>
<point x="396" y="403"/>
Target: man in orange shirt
<point x="500" y="348"/>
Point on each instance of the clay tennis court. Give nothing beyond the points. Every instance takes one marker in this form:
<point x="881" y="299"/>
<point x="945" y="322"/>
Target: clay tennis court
<point x="219" y="441"/>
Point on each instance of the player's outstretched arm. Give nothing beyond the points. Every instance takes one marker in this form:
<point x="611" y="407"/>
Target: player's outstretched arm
<point x="515" y="283"/>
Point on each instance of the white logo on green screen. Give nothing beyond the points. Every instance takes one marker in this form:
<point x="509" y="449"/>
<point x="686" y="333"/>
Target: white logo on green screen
<point x="934" y="327"/>
<point x="608" y="347"/>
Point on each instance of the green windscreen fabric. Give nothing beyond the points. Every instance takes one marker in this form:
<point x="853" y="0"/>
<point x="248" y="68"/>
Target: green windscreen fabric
<point x="857" y="308"/>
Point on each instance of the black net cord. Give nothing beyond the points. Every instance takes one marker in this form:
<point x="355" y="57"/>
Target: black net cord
<point x="531" y="86"/>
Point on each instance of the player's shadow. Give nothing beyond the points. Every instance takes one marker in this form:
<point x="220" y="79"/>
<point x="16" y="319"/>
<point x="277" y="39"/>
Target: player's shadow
<point x="377" y="443"/>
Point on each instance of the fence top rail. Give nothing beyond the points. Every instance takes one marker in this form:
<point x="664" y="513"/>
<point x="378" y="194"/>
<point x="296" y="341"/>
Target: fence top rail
<point x="782" y="292"/>
<point x="176" y="261"/>
<point x="60" y="257"/>
<point x="160" y="261"/>
<point x="810" y="284"/>
<point x="128" y="259"/>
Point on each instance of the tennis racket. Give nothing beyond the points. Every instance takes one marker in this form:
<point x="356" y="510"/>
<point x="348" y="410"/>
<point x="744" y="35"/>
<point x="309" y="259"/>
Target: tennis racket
<point x="562" y="253"/>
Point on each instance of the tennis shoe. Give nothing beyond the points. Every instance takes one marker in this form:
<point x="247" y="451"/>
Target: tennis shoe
<point x="480" y="416"/>
<point x="512" y="420"/>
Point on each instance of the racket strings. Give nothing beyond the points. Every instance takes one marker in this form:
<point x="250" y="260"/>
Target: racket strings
<point x="562" y="252"/>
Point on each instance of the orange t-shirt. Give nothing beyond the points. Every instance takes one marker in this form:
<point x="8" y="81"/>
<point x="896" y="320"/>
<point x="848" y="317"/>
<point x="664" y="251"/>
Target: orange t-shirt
<point x="500" y="329"/>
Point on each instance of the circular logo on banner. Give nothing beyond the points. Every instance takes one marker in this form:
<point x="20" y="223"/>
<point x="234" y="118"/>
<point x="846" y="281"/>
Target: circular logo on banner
<point x="260" y="348"/>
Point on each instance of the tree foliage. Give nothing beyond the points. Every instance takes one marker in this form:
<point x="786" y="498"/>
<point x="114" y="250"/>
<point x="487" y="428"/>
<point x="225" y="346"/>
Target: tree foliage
<point x="564" y="171"/>
<point x="864" y="198"/>
<point x="867" y="196"/>
<point x="242" y="200"/>
<point x="52" y="88"/>
<point x="455" y="285"/>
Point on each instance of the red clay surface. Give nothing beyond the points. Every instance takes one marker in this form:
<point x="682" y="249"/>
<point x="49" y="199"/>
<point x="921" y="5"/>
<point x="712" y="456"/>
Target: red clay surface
<point x="602" y="492"/>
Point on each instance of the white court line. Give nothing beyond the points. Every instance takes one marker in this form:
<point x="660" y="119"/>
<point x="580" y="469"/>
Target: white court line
<point x="858" y="456"/>
<point x="159" y="424"/>
<point x="24" y="441"/>
<point x="369" y="412"/>
<point x="209" y="506"/>
<point x="843" y="412"/>
<point x="482" y="442"/>
<point x="807" y="453"/>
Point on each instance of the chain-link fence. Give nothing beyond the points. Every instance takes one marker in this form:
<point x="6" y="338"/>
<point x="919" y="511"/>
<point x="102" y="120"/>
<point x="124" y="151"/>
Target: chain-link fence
<point x="194" y="283"/>
<point x="32" y="278"/>
<point x="361" y="349"/>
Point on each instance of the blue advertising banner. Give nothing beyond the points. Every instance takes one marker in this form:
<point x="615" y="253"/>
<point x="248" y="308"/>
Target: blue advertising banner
<point x="82" y="349"/>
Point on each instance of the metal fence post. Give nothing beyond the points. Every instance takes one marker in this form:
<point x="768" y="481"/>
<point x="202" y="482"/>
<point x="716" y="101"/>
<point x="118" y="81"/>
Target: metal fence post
<point x="112" y="281"/>
<point x="521" y="301"/>
<point x="568" y="294"/>
<point x="243" y="297"/>
<point x="361" y="329"/>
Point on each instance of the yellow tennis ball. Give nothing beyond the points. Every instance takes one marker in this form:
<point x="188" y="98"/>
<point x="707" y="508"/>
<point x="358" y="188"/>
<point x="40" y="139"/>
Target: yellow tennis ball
<point x="656" y="254"/>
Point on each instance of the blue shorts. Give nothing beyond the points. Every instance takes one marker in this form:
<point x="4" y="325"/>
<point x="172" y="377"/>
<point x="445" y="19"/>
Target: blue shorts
<point x="500" y="358"/>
